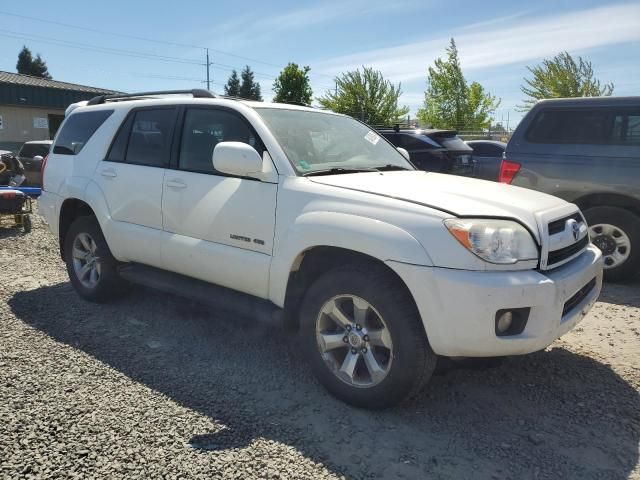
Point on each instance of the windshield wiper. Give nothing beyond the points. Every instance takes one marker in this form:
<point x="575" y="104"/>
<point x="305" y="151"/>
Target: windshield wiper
<point x="389" y="167"/>
<point x="338" y="171"/>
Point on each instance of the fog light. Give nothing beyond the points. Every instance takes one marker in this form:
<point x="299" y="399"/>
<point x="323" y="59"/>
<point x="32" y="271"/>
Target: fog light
<point x="504" y="321"/>
<point x="511" y="321"/>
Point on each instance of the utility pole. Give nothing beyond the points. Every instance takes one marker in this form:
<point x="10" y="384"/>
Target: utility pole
<point x="208" y="65"/>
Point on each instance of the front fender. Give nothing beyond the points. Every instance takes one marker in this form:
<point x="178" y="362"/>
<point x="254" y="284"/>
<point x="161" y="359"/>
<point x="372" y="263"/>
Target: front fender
<point x="374" y="238"/>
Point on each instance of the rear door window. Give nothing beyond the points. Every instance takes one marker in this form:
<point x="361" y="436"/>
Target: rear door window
<point x="77" y="130"/>
<point x="145" y="138"/>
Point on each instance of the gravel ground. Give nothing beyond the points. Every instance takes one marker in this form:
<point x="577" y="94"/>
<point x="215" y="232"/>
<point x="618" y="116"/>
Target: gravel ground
<point x="155" y="387"/>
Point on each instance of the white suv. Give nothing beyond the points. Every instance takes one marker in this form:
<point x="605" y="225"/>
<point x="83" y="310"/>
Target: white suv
<point x="379" y="266"/>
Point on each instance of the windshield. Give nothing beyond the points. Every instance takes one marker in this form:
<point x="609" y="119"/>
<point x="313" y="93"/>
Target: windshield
<point x="324" y="142"/>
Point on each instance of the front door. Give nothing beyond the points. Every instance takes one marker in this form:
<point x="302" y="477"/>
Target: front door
<point x="218" y="228"/>
<point x="131" y="179"/>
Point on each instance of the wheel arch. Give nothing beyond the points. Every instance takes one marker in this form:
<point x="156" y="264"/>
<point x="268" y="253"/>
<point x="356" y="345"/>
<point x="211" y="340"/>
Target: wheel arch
<point x="71" y="209"/>
<point x="606" y="199"/>
<point x="315" y="261"/>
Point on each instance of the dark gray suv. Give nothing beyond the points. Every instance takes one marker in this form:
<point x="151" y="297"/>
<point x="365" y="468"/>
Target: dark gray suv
<point x="586" y="151"/>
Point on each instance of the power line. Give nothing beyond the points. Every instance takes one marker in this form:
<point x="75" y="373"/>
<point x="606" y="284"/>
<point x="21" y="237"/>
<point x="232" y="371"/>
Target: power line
<point x="96" y="48"/>
<point x="146" y="39"/>
<point x="125" y="53"/>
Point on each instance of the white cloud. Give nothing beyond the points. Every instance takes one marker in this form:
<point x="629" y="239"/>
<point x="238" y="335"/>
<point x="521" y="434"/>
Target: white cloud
<point x="257" y="27"/>
<point x="503" y="43"/>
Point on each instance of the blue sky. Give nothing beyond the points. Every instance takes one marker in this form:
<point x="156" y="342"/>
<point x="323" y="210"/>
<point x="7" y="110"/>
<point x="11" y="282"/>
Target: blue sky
<point x="497" y="39"/>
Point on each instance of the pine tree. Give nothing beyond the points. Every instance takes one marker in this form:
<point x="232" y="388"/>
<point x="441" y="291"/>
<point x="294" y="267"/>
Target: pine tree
<point x="27" y="65"/>
<point x="249" y="89"/>
<point x="232" y="88"/>
<point x="292" y="85"/>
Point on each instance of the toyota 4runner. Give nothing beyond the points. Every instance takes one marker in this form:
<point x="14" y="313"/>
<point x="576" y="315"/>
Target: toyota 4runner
<point x="313" y="215"/>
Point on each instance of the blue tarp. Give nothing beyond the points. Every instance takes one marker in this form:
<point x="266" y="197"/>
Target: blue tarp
<point x="33" y="192"/>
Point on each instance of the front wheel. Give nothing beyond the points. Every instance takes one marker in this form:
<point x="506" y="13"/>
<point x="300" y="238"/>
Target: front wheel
<point x="364" y="338"/>
<point x="616" y="232"/>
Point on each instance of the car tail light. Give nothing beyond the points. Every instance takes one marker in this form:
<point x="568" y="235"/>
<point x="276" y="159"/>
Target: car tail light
<point x="508" y="170"/>
<point x="42" y="165"/>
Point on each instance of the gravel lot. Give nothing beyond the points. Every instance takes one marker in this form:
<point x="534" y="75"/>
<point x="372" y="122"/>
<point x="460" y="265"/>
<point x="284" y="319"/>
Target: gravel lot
<point x="156" y="387"/>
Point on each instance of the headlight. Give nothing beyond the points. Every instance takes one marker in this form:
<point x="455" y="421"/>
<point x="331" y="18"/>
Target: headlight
<point x="496" y="241"/>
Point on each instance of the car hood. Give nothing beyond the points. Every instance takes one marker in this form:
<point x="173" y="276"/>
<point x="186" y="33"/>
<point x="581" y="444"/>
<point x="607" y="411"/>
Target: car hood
<point x="459" y="196"/>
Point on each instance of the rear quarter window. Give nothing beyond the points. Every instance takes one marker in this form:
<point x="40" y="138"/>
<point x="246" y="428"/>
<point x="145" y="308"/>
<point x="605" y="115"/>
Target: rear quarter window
<point x="77" y="130"/>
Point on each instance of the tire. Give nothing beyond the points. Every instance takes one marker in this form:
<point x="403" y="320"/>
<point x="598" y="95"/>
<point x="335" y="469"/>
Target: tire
<point x="407" y="365"/>
<point x="85" y="233"/>
<point x="615" y="230"/>
<point x="26" y="223"/>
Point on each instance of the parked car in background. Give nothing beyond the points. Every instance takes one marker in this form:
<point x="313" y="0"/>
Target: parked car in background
<point x="312" y="216"/>
<point x="31" y="155"/>
<point x="487" y="157"/>
<point x="586" y="151"/>
<point x="440" y="151"/>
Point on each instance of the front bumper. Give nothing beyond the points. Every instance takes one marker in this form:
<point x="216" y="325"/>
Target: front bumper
<point x="458" y="307"/>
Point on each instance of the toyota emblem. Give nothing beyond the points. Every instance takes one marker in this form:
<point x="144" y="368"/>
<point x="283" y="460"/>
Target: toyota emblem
<point x="575" y="228"/>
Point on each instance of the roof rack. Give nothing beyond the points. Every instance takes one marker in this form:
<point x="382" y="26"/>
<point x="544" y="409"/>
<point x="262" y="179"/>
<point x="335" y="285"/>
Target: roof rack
<point x="196" y="92"/>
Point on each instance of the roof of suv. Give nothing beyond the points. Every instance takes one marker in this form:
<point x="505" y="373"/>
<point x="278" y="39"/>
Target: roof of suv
<point x="198" y="96"/>
<point x="39" y="142"/>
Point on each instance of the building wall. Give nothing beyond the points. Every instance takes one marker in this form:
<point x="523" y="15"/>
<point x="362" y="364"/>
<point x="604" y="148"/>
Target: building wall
<point x="21" y="124"/>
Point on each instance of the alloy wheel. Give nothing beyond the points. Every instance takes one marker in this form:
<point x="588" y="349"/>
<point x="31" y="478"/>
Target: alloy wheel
<point x="354" y="341"/>
<point x="86" y="264"/>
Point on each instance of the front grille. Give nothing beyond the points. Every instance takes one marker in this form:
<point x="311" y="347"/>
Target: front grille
<point x="557" y="256"/>
<point x="580" y="295"/>
<point x="558" y="226"/>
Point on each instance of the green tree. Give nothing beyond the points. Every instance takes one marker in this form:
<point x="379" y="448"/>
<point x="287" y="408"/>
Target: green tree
<point x="232" y="88"/>
<point x="450" y="102"/>
<point x="366" y="96"/>
<point x="562" y="77"/>
<point x="249" y="89"/>
<point x="27" y="65"/>
<point x="292" y="85"/>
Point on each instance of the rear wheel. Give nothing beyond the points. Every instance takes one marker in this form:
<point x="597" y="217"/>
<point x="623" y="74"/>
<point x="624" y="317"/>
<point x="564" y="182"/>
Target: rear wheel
<point x="616" y="232"/>
<point x="90" y="265"/>
<point x="364" y="338"/>
<point x="26" y="223"/>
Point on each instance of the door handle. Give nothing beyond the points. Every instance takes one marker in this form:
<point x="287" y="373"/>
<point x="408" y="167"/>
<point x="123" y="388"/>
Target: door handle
<point x="176" y="184"/>
<point x="109" y="173"/>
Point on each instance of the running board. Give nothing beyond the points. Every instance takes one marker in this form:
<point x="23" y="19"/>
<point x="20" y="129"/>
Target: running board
<point x="202" y="292"/>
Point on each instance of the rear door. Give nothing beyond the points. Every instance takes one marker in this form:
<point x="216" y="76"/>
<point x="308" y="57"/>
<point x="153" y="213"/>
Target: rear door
<point x="131" y="177"/>
<point x="218" y="228"/>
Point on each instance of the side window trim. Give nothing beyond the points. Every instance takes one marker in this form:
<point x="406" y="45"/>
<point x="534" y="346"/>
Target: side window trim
<point x="175" y="162"/>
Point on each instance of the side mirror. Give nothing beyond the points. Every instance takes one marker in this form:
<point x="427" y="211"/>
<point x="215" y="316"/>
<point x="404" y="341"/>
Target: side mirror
<point x="237" y="158"/>
<point x="404" y="153"/>
<point x="38" y="158"/>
